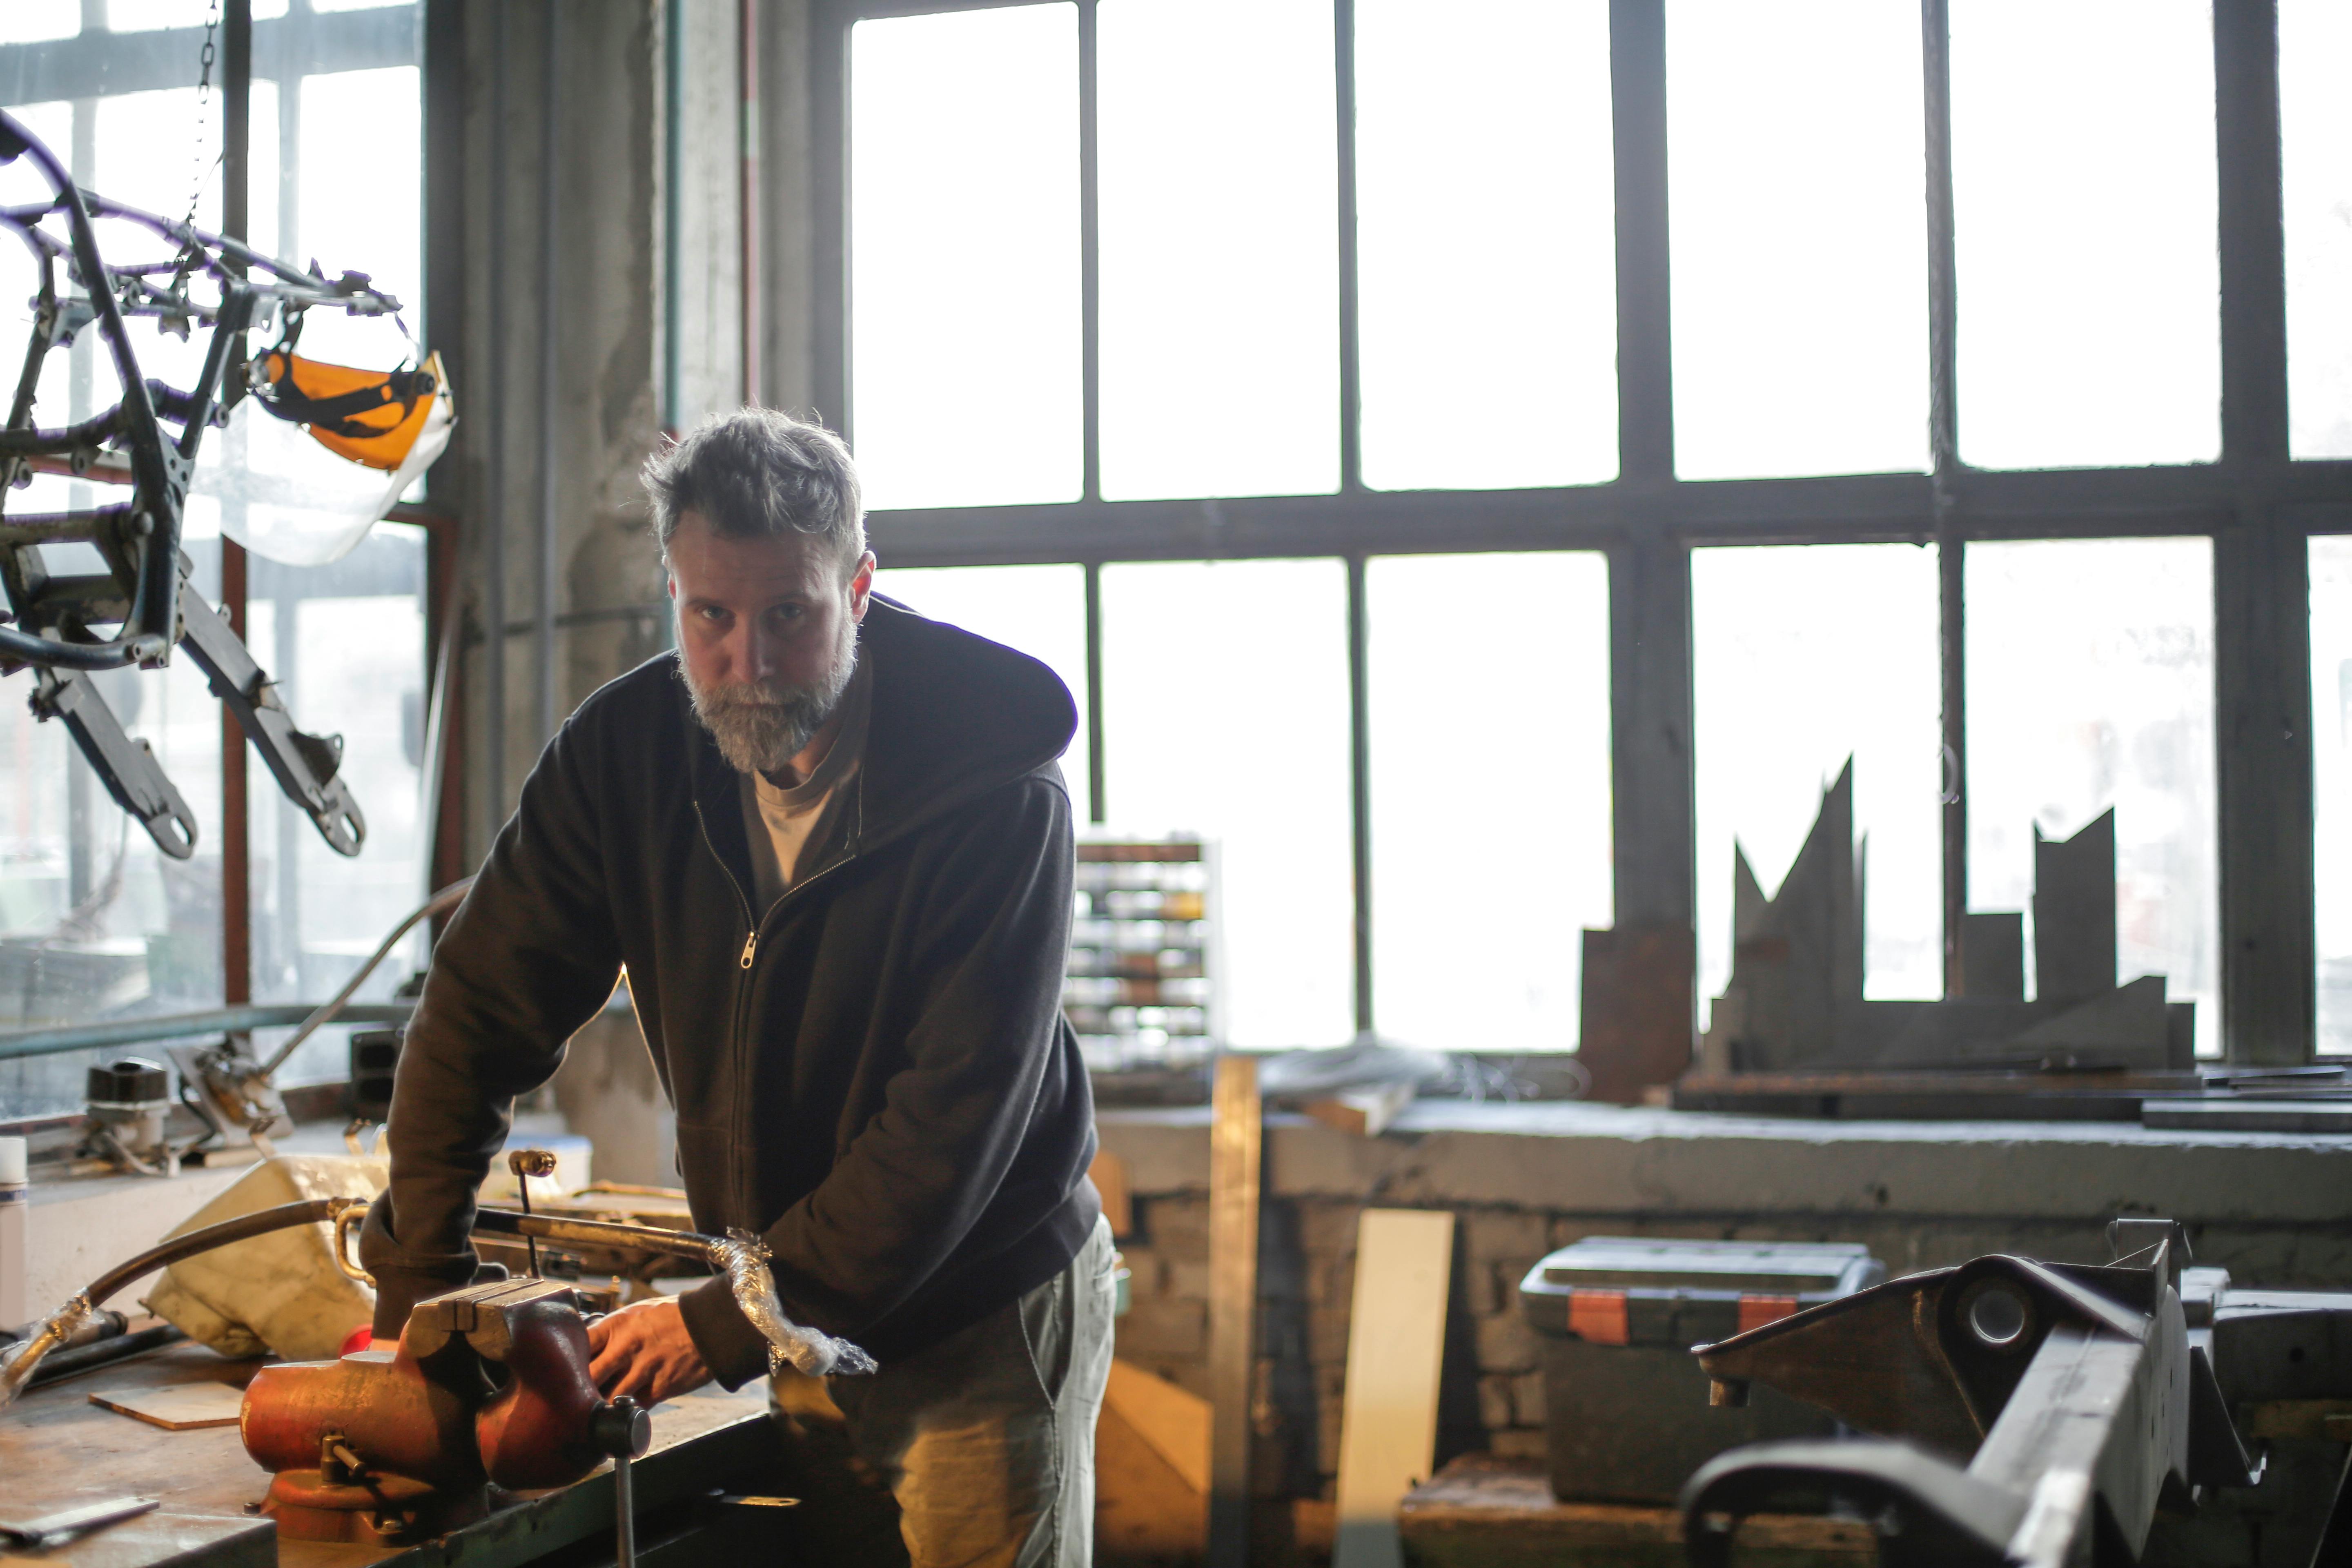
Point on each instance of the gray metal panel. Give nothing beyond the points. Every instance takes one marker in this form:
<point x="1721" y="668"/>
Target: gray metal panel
<point x="1992" y="957"/>
<point x="2074" y="912"/>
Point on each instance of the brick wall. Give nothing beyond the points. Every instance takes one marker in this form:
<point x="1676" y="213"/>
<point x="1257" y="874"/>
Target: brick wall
<point x="1493" y="1396"/>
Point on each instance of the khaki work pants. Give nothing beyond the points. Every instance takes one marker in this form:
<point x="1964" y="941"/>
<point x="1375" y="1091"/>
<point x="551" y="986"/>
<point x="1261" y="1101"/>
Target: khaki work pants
<point x="987" y="1439"/>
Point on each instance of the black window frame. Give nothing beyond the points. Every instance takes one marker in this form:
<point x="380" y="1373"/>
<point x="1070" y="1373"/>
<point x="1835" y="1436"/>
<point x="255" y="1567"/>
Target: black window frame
<point x="2259" y="507"/>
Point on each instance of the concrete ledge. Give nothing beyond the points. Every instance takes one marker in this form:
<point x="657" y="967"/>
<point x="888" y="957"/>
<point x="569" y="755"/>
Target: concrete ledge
<point x="1600" y="1159"/>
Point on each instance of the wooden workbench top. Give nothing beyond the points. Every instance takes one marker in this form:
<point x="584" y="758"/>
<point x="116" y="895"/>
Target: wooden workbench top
<point x="56" y="1448"/>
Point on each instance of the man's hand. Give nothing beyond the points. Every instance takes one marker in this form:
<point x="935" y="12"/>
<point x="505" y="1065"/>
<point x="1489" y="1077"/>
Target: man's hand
<point x="644" y="1350"/>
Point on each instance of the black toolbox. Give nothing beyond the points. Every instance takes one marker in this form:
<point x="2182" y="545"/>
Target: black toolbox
<point x="1626" y="1414"/>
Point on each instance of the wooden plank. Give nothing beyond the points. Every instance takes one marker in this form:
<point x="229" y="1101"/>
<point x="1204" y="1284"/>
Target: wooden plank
<point x="1236" y="1139"/>
<point x="1110" y="1175"/>
<point x="1396" y="1340"/>
<point x="1172" y="1420"/>
<point x="1484" y="1513"/>
<point x="178" y="1407"/>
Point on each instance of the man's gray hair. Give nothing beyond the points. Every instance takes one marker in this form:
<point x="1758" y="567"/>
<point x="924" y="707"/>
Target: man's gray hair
<point x="760" y="473"/>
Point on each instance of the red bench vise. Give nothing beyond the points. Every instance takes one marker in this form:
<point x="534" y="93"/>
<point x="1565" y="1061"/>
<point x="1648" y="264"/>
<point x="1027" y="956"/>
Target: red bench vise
<point x="488" y="1386"/>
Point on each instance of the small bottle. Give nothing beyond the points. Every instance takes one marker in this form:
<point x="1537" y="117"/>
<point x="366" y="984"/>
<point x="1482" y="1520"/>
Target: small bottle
<point x="15" y="1210"/>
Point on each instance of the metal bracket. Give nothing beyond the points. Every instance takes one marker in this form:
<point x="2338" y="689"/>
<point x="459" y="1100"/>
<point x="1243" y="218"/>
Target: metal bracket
<point x="304" y="765"/>
<point x="127" y="767"/>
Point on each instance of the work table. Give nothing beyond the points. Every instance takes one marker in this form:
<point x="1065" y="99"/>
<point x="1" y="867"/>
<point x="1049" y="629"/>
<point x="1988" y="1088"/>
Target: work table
<point x="56" y="1448"/>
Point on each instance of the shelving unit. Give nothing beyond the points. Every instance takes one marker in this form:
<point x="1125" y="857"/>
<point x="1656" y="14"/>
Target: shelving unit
<point x="1141" y="989"/>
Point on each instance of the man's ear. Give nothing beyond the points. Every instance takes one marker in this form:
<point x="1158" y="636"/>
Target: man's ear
<point x="861" y="584"/>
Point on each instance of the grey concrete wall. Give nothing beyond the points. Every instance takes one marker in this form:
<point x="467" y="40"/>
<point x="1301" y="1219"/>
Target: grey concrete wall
<point x="604" y="287"/>
<point x="1523" y="1180"/>
<point x="710" y="250"/>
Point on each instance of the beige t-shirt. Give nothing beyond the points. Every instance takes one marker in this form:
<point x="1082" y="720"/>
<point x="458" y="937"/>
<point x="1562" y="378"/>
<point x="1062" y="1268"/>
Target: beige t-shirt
<point x="782" y="824"/>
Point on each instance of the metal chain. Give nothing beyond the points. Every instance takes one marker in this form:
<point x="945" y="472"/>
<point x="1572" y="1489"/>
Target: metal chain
<point x="203" y="102"/>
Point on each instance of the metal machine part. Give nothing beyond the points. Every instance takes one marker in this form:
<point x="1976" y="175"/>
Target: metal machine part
<point x="2029" y="1413"/>
<point x="19" y="1361"/>
<point x="128" y="1102"/>
<point x="488" y="1386"/>
<point x="235" y="1095"/>
<point x="144" y="592"/>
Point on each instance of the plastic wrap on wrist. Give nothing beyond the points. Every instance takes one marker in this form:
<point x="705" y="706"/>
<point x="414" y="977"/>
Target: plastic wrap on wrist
<point x="745" y="1257"/>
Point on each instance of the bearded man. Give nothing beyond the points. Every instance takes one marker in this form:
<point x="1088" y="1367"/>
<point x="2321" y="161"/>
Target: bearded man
<point x="830" y="842"/>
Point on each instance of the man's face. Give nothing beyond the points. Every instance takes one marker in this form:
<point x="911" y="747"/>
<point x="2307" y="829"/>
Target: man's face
<point x="767" y="632"/>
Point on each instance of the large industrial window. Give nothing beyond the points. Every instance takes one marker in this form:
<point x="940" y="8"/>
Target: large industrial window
<point x="1489" y="773"/>
<point x="2084" y="179"/>
<point x="1808" y="659"/>
<point x="966" y="292"/>
<point x="1485" y="178"/>
<point x="2316" y="145"/>
<point x="1790" y="314"/>
<point x="1800" y="253"/>
<point x="2091" y="689"/>
<point x="1226" y="714"/>
<point x="1219" y="234"/>
<point x="95" y="923"/>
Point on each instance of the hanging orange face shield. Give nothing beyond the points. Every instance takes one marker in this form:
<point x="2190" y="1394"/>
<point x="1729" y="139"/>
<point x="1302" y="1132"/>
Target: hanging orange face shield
<point x="369" y="416"/>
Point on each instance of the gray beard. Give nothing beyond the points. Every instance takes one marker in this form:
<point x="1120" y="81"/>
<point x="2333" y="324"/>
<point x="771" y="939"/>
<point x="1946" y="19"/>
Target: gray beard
<point x="760" y="728"/>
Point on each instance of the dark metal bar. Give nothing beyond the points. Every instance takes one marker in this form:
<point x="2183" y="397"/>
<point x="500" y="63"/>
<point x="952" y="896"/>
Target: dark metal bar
<point x="1351" y="370"/>
<point x="493" y="520"/>
<point x="1090" y="289"/>
<point x="237" y="823"/>
<point x="1094" y="769"/>
<point x="98" y="63"/>
<point x="544" y="602"/>
<point x="747" y="195"/>
<point x="1637" y="86"/>
<point x="188" y="1026"/>
<point x="1943" y="445"/>
<point x="445" y="234"/>
<point x="2261" y="584"/>
<point x="829" y="191"/>
<point x="1359" y="785"/>
<point x="673" y="205"/>
<point x="446" y="230"/>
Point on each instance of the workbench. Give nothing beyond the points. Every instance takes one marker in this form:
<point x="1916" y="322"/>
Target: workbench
<point x="1481" y="1511"/>
<point x="56" y="1448"/>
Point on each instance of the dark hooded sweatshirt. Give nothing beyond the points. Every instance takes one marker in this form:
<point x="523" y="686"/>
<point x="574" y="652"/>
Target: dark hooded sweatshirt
<point x="874" y="1072"/>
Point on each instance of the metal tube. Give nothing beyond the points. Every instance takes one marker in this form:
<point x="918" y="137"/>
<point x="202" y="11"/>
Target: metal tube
<point x="1089" y="295"/>
<point x="624" y="1512"/>
<point x="187" y="1025"/>
<point x="446" y="899"/>
<point x="551" y="57"/>
<point x="18" y="1363"/>
<point x="494" y="543"/>
<point x="747" y="195"/>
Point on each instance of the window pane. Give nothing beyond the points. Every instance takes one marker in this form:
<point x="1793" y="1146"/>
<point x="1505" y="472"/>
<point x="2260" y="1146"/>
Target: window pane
<point x="2315" y="144"/>
<point x="375" y="225"/>
<point x="95" y="921"/>
<point x="1220" y="249"/>
<point x="1041" y="610"/>
<point x="1479" y="946"/>
<point x="1486" y="192"/>
<point x="1226" y="714"/>
<point x="1800" y="239"/>
<point x="1805" y="656"/>
<point x="2089" y="282"/>
<point x="2090" y="669"/>
<point x="965" y="243"/>
<point x="345" y="642"/>
<point x="2331" y="734"/>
